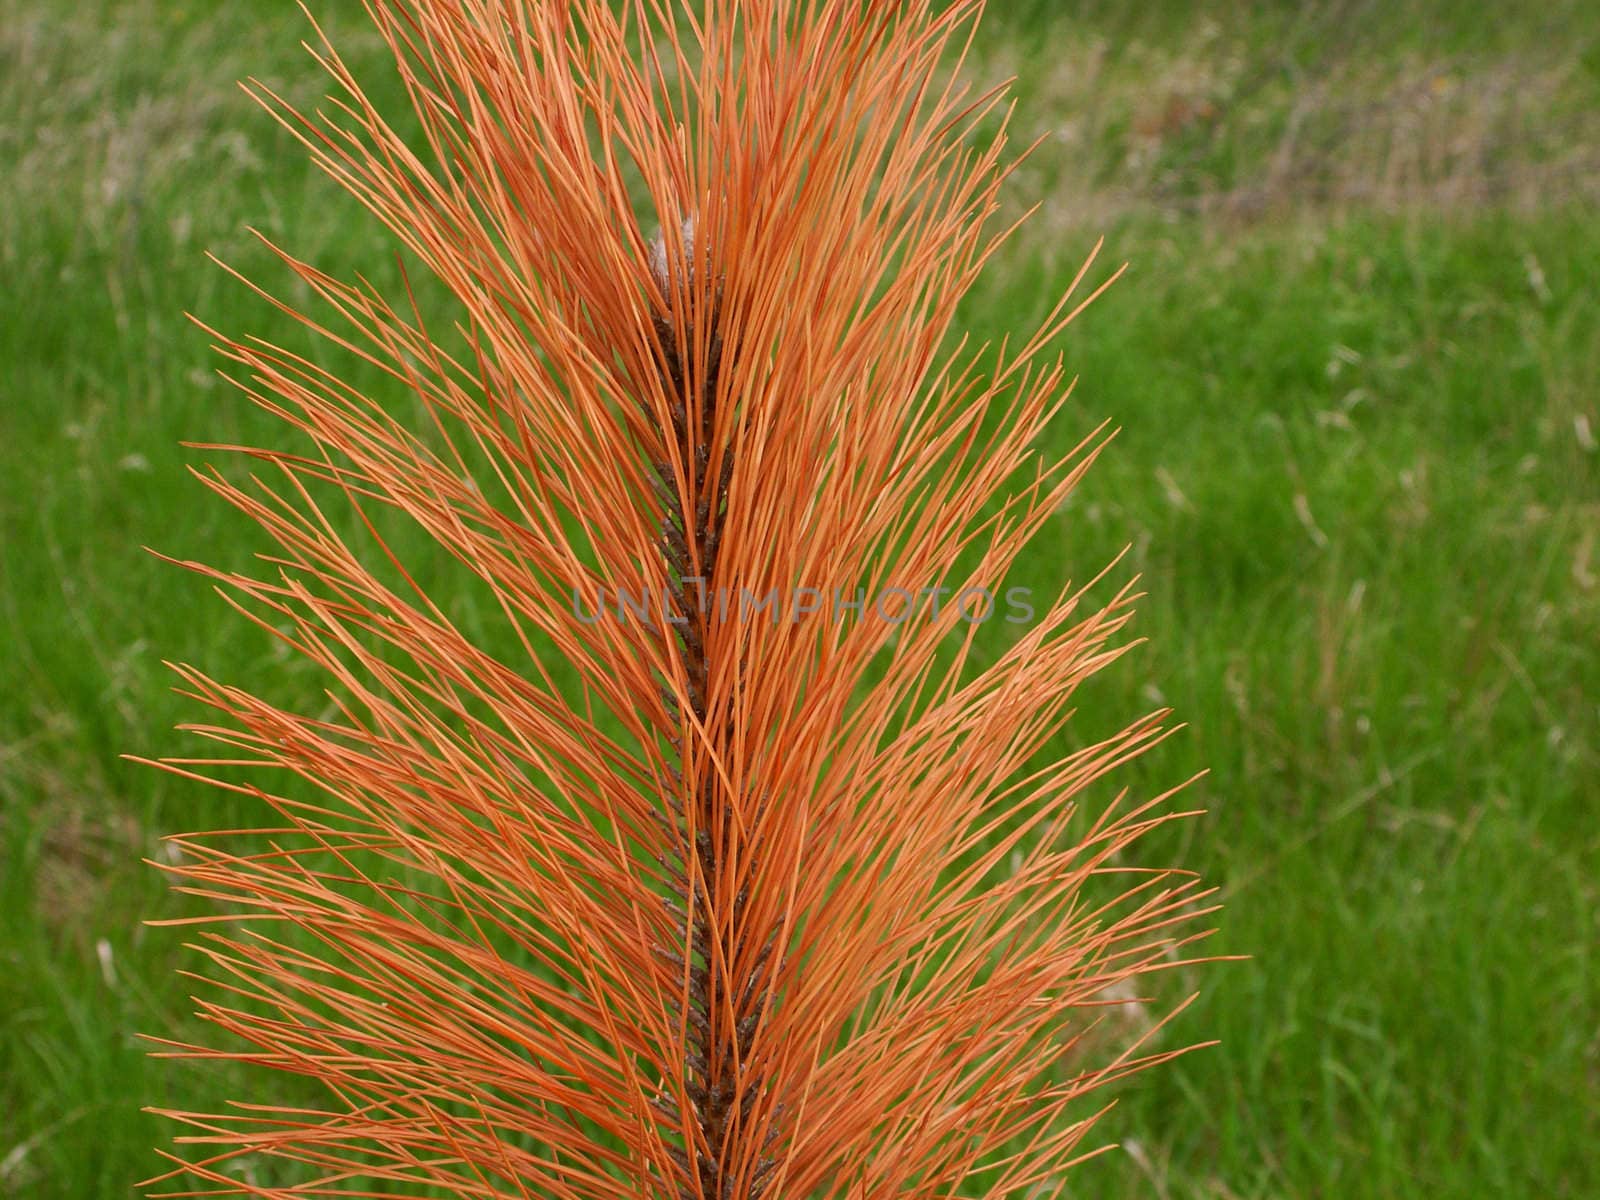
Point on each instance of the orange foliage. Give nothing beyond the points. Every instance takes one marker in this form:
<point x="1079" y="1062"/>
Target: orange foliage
<point x="778" y="907"/>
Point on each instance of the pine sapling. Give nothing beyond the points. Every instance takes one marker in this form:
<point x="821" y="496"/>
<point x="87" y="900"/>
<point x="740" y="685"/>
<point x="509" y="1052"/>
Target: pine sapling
<point x="719" y="850"/>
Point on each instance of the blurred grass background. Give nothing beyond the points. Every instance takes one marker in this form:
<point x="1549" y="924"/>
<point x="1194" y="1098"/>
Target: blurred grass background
<point x="1354" y="362"/>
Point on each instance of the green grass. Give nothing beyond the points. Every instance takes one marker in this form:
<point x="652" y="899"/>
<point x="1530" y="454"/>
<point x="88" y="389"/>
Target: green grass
<point x="1357" y="470"/>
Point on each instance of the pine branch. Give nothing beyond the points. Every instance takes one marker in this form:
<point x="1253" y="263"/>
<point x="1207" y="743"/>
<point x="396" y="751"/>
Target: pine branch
<point x="757" y="888"/>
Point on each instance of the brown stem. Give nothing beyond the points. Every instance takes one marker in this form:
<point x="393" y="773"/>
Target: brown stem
<point x="726" y="999"/>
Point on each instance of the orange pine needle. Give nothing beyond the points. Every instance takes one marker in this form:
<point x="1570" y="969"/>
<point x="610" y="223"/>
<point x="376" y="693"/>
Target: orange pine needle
<point x="775" y="901"/>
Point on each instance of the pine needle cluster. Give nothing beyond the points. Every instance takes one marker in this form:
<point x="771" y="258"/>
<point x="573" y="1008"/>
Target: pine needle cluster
<point x="759" y="889"/>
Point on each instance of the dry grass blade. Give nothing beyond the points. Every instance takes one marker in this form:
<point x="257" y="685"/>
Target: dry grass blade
<point x="776" y="899"/>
